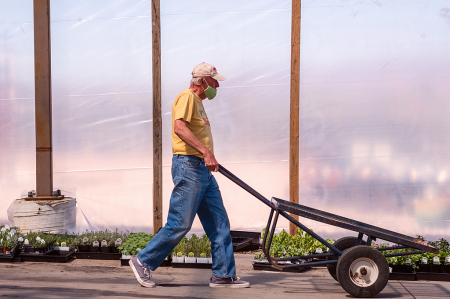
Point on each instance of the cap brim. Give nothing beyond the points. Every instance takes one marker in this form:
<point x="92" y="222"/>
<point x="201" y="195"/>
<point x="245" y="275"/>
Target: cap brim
<point x="219" y="77"/>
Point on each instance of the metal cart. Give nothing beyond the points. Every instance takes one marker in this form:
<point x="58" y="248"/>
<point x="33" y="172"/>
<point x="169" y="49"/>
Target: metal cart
<point x="360" y="269"/>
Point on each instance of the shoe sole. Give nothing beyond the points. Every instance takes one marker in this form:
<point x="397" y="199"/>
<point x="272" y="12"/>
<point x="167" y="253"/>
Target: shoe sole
<point x="138" y="278"/>
<point x="226" y="285"/>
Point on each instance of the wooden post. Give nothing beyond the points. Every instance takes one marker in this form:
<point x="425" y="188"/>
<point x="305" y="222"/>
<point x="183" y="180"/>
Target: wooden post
<point x="294" y="109"/>
<point x="157" y="121"/>
<point x="43" y="99"/>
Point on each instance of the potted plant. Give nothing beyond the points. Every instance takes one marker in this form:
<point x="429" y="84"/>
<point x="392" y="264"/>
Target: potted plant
<point x="27" y="246"/>
<point x="190" y="258"/>
<point x="39" y="245"/>
<point x="84" y="246"/>
<point x="205" y="251"/>
<point x="8" y="244"/>
<point x="191" y="248"/>
<point x="94" y="246"/>
<point x="117" y="240"/>
<point x="114" y="244"/>
<point x="178" y="251"/>
<point x="105" y="246"/>
<point x="178" y="257"/>
<point x="446" y="265"/>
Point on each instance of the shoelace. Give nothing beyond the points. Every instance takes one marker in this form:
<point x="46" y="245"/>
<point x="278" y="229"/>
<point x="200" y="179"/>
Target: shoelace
<point x="147" y="273"/>
<point x="235" y="279"/>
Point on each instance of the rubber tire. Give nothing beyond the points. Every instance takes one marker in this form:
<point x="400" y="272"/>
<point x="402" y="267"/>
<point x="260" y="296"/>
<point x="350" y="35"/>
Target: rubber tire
<point x="347" y="259"/>
<point x="342" y="244"/>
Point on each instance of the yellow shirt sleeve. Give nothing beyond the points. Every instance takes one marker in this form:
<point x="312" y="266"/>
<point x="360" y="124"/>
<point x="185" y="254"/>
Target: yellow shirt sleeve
<point x="184" y="107"/>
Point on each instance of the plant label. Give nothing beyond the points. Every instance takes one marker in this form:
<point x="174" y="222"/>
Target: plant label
<point x="447" y="260"/>
<point x="26" y="242"/>
<point x="318" y="250"/>
<point x="85" y="240"/>
<point x="63" y="244"/>
<point x="38" y="239"/>
<point x="408" y="262"/>
<point x="95" y="244"/>
<point x="436" y="260"/>
<point x="424" y="260"/>
<point x="118" y="242"/>
<point x="104" y="243"/>
<point x="20" y="239"/>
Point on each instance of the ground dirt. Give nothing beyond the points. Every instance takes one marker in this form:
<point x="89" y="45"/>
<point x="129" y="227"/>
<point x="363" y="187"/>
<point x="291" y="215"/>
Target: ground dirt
<point x="102" y="279"/>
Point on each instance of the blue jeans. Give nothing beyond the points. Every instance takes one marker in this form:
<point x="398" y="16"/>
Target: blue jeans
<point x="195" y="192"/>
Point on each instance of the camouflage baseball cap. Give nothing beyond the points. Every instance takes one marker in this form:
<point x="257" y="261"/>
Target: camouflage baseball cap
<point x="206" y="69"/>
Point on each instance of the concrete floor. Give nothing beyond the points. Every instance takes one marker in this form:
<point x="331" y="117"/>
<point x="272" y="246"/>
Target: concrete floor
<point x="101" y="279"/>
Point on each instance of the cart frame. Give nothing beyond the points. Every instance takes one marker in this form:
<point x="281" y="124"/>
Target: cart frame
<point x="281" y="207"/>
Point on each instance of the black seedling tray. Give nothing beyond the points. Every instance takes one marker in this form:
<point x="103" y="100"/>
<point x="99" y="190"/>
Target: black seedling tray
<point x="11" y="257"/>
<point x="54" y="256"/>
<point x="8" y="258"/>
<point x="98" y="256"/>
<point x="402" y="276"/>
<point x="267" y="267"/>
<point x="432" y="276"/>
<point x="245" y="241"/>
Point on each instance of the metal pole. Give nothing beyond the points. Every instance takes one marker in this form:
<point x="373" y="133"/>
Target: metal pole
<point x="294" y="109"/>
<point x="43" y="99"/>
<point x="157" y="121"/>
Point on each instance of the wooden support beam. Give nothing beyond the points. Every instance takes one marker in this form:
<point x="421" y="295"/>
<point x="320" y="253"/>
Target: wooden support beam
<point x="294" y="109"/>
<point x="157" y="120"/>
<point x="43" y="98"/>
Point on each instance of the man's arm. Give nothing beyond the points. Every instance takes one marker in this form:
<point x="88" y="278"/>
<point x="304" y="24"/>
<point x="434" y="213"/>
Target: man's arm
<point x="182" y="131"/>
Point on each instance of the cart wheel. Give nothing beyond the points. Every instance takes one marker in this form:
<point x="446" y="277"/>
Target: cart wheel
<point x="341" y="244"/>
<point x="362" y="271"/>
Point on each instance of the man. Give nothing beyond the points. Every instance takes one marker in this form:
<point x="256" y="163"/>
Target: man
<point x="196" y="190"/>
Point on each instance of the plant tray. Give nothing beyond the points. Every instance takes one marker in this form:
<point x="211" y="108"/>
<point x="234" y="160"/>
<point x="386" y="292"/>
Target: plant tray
<point x="402" y="276"/>
<point x="124" y="262"/>
<point x="11" y="257"/>
<point x="241" y="241"/>
<point x="261" y="266"/>
<point x="54" y="256"/>
<point x="192" y="265"/>
<point x="98" y="255"/>
<point x="8" y="258"/>
<point x="433" y="276"/>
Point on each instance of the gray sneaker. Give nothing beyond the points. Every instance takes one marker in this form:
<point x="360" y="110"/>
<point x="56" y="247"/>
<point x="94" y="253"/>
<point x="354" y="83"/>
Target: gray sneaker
<point x="142" y="273"/>
<point x="229" y="282"/>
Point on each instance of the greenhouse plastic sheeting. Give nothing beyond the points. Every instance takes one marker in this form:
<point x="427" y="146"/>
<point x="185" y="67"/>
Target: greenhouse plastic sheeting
<point x="374" y="130"/>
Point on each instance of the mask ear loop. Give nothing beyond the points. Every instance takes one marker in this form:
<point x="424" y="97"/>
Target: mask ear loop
<point x="206" y="84"/>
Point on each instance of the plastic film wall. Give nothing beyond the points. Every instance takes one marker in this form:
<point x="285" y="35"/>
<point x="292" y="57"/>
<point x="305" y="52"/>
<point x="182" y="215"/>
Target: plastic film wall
<point x="374" y="134"/>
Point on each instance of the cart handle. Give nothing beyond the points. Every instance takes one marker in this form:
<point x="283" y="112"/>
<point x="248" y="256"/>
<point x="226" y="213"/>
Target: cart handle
<point x="271" y="205"/>
<point x="244" y="186"/>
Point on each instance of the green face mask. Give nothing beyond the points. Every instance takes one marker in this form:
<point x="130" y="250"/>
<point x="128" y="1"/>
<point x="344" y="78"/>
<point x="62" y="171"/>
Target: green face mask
<point x="210" y="92"/>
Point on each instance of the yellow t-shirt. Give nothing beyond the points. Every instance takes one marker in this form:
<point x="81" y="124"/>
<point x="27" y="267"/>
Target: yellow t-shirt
<point x="189" y="107"/>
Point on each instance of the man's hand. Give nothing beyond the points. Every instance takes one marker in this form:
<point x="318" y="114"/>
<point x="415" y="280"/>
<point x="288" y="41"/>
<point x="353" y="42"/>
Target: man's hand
<point x="211" y="162"/>
<point x="182" y="131"/>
